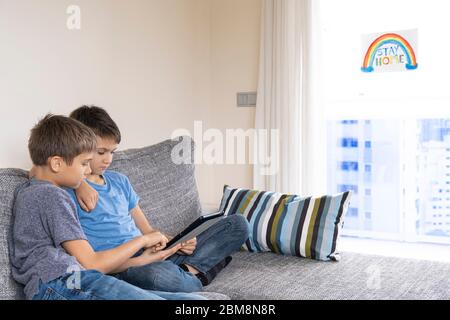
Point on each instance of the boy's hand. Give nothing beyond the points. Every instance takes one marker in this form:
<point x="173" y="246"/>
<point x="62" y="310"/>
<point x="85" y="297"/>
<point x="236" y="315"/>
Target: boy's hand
<point x="155" y="241"/>
<point x="188" y="247"/>
<point x="150" y="256"/>
<point x="87" y="196"/>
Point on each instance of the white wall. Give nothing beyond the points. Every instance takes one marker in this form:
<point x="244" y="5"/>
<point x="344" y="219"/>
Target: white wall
<point x="235" y="30"/>
<point x="155" y="65"/>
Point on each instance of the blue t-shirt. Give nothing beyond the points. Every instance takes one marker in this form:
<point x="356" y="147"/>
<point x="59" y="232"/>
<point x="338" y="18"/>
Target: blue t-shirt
<point x="110" y="224"/>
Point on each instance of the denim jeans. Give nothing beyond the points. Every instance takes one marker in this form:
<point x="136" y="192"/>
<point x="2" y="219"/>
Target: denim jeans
<point x="93" y="285"/>
<point x="213" y="245"/>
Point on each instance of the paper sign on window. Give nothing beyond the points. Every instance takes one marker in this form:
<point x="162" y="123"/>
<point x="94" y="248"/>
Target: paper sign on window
<point x="393" y="51"/>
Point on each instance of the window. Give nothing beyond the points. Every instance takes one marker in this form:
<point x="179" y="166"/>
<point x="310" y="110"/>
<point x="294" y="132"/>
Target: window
<point x="386" y="134"/>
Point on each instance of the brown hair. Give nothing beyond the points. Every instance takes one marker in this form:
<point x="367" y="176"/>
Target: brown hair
<point x="98" y="120"/>
<point x="56" y="135"/>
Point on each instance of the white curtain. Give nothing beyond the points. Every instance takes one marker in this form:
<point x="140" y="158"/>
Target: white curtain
<point x="281" y="102"/>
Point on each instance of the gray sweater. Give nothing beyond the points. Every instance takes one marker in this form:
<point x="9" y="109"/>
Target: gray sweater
<point x="44" y="217"/>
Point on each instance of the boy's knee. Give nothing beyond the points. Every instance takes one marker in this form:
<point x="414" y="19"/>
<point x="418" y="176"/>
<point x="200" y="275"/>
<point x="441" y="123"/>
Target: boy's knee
<point x="240" y="226"/>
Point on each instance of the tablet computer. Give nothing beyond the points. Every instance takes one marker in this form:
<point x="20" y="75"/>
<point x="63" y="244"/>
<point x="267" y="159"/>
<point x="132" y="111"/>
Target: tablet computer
<point x="195" y="228"/>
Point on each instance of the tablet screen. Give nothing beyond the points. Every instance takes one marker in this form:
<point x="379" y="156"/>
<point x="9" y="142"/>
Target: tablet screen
<point x="195" y="228"/>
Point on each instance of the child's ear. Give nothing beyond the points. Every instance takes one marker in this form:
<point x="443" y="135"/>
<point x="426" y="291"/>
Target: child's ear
<point x="55" y="163"/>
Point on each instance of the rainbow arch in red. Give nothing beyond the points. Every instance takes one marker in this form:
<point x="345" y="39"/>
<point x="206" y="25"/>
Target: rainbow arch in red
<point x="389" y="38"/>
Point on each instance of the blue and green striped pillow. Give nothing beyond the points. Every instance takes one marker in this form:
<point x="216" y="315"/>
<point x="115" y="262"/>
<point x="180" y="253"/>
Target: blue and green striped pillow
<point x="307" y="227"/>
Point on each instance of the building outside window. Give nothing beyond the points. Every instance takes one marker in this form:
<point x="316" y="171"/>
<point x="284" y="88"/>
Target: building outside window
<point x="387" y="135"/>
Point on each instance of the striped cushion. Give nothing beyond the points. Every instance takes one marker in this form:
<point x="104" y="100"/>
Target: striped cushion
<point x="289" y="224"/>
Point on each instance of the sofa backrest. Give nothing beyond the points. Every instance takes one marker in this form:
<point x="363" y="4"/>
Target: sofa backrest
<point x="168" y="191"/>
<point x="168" y="195"/>
<point x="10" y="179"/>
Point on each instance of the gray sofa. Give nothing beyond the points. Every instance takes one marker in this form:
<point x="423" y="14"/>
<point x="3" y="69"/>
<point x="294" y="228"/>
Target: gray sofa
<point x="169" y="197"/>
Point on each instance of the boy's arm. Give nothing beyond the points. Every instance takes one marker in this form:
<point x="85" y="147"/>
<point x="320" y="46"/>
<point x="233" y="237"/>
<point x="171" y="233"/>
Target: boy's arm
<point x="148" y="256"/>
<point x="87" y="196"/>
<point x="144" y="226"/>
<point x="141" y="220"/>
<point x="110" y="260"/>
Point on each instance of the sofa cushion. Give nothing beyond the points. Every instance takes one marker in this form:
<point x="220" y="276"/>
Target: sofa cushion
<point x="256" y="276"/>
<point x="212" y="295"/>
<point x="166" y="187"/>
<point x="10" y="179"/>
<point x="289" y="224"/>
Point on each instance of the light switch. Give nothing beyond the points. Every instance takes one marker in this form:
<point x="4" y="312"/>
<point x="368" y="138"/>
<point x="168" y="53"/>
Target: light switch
<point x="246" y="99"/>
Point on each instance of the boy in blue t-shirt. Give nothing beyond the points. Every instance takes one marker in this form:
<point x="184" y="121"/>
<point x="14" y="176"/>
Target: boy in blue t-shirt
<point x="48" y="250"/>
<point x="107" y="227"/>
<point x="110" y="216"/>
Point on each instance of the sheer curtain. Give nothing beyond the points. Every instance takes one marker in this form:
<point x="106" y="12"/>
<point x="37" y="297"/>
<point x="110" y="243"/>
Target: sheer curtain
<point x="282" y="90"/>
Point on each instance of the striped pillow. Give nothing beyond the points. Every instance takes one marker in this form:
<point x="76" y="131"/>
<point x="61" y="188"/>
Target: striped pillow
<point x="289" y="224"/>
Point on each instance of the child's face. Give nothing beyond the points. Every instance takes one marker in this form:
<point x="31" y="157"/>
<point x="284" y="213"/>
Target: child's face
<point x="103" y="156"/>
<point x="75" y="173"/>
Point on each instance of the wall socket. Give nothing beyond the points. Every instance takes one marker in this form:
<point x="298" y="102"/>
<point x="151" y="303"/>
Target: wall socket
<point x="246" y="99"/>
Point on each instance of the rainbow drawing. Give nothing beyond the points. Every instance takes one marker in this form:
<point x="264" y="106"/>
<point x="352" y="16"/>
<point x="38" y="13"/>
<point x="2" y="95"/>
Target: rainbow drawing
<point x="389" y="38"/>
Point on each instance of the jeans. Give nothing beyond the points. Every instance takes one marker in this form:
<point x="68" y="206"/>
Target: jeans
<point x="93" y="285"/>
<point x="213" y="245"/>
